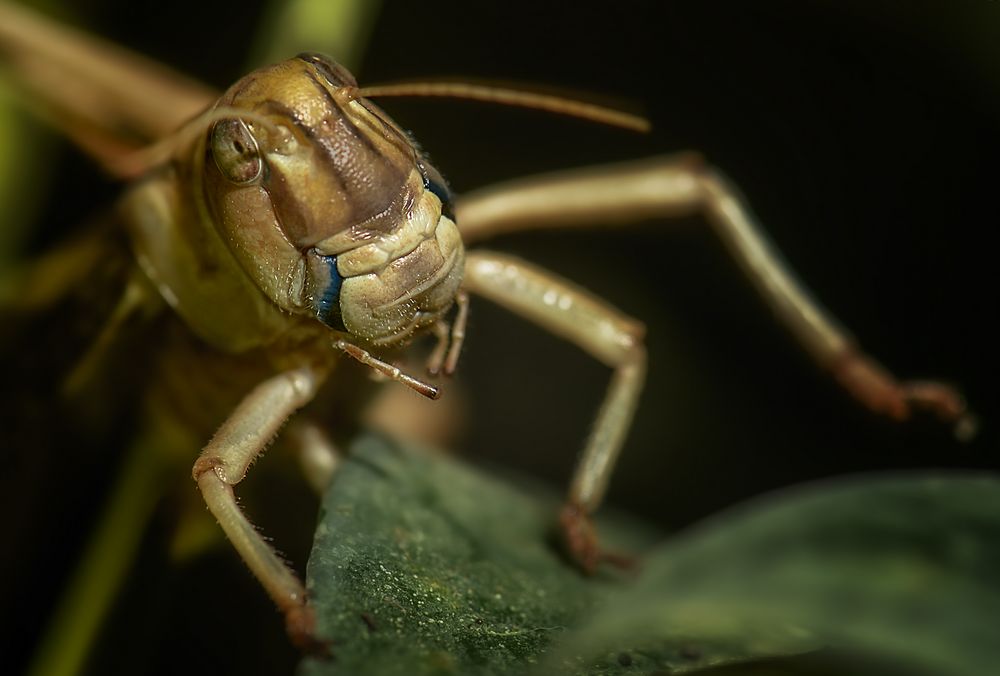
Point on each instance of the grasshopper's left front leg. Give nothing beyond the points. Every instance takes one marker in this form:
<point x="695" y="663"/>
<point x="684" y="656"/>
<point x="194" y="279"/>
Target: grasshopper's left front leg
<point x="610" y="336"/>
<point x="223" y="464"/>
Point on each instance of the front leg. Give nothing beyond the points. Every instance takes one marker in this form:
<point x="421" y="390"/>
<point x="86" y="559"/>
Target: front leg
<point x="675" y="186"/>
<point x="223" y="464"/>
<point x="615" y="339"/>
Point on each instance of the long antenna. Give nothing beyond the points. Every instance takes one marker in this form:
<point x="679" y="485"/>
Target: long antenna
<point x="512" y="97"/>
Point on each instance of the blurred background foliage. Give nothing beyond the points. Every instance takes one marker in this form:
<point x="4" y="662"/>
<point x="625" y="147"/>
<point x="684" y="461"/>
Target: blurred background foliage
<point x="865" y="135"/>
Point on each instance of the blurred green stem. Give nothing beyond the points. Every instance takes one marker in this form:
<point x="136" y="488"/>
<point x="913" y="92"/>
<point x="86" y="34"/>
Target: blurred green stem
<point x="338" y="27"/>
<point x="94" y="585"/>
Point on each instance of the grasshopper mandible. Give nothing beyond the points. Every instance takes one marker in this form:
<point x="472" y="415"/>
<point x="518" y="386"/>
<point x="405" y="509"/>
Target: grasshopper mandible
<point x="292" y="222"/>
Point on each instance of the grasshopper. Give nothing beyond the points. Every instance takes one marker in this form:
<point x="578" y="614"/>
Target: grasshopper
<point x="291" y="222"/>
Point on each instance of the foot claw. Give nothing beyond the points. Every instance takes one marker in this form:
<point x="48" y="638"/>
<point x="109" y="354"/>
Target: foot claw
<point x="875" y="387"/>
<point x="942" y="401"/>
<point x="300" y="623"/>
<point x="578" y="538"/>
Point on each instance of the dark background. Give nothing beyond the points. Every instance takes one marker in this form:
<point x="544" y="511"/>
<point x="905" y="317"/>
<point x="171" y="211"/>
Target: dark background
<point x="864" y="134"/>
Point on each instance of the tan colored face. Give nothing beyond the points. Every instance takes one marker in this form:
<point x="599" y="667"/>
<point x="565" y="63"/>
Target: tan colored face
<point x="328" y="205"/>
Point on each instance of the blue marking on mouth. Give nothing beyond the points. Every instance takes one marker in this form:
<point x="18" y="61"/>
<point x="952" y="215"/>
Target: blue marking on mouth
<point x="437" y="189"/>
<point x="435" y="183"/>
<point x="328" y="308"/>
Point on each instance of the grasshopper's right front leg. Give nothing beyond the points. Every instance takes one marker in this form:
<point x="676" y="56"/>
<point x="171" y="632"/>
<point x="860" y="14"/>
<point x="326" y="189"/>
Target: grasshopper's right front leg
<point x="223" y="464"/>
<point x="615" y="339"/>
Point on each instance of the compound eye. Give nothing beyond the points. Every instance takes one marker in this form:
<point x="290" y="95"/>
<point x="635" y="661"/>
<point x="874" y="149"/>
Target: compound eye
<point x="235" y="151"/>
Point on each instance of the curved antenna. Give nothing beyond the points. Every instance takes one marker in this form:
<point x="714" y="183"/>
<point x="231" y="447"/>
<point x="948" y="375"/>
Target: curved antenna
<point x="512" y="97"/>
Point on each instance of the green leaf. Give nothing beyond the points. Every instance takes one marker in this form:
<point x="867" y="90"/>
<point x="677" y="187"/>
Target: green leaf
<point x="424" y="566"/>
<point x="904" y="567"/>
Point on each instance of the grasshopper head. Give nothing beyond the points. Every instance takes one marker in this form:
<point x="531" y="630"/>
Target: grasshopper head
<point x="329" y="207"/>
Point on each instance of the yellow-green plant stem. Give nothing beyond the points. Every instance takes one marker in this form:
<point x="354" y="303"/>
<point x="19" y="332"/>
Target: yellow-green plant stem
<point x="94" y="585"/>
<point x="22" y="169"/>
<point x="337" y="27"/>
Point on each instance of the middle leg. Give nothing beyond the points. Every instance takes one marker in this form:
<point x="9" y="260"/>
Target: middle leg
<point x="608" y="335"/>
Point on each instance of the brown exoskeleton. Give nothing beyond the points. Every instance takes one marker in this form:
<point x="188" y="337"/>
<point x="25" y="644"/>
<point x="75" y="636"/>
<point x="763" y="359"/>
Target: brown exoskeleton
<point x="294" y="221"/>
